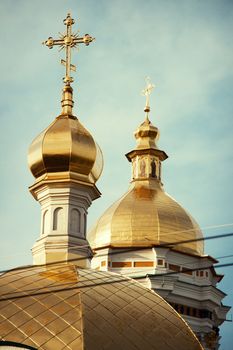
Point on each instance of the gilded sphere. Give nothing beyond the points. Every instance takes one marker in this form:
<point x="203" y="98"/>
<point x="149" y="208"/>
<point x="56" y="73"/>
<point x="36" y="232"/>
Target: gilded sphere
<point x="68" y="40"/>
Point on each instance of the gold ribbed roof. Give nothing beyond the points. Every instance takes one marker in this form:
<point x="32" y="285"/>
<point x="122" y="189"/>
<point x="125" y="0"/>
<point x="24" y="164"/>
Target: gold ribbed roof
<point x="145" y="216"/>
<point x="60" y="307"/>
<point x="65" y="147"/>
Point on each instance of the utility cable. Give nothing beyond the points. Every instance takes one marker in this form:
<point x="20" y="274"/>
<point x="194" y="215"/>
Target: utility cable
<point x="103" y="282"/>
<point x="95" y="284"/>
<point x="168" y="233"/>
<point x="128" y="250"/>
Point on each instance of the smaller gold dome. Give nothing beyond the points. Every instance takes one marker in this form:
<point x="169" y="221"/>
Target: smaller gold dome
<point x="145" y="215"/>
<point x="65" y="148"/>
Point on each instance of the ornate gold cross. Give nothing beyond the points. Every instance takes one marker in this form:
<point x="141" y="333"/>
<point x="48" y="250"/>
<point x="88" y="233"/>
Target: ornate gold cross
<point x="68" y="41"/>
<point x="146" y="92"/>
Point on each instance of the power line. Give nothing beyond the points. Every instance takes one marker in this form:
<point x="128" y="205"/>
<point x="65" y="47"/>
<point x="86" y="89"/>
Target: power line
<point x="133" y="249"/>
<point x="184" y="269"/>
<point x="123" y="279"/>
<point x="129" y="273"/>
<point x="224" y="257"/>
<point x="161" y="235"/>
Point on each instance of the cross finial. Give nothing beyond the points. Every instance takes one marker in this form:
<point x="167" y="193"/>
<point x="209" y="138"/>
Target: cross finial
<point x="68" y="41"/>
<point x="146" y="92"/>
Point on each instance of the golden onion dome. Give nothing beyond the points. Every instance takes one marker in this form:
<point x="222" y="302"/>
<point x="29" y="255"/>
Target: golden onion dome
<point x="145" y="215"/>
<point x="62" y="307"/>
<point x="146" y="135"/>
<point x="65" y="148"/>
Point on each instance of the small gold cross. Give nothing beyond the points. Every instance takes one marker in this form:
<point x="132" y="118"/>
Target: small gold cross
<point x="146" y="92"/>
<point x="68" y="41"/>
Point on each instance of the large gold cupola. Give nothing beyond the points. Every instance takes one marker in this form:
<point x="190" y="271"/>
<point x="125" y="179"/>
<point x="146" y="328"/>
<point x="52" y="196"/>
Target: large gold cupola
<point x="146" y="216"/>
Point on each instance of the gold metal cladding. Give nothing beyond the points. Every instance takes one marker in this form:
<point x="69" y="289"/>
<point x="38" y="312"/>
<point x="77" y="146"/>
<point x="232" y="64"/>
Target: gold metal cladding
<point x="49" y="315"/>
<point x="60" y="307"/>
<point x="146" y="216"/>
<point x="68" y="41"/>
<point x="65" y="146"/>
<point x="146" y="135"/>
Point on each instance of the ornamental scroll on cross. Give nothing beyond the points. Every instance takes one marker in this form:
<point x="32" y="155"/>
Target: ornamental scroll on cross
<point x="68" y="41"/>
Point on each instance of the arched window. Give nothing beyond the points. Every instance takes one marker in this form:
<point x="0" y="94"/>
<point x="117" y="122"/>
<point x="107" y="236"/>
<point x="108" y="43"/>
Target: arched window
<point x="45" y="222"/>
<point x="153" y="168"/>
<point x="57" y="219"/>
<point x="75" y="220"/>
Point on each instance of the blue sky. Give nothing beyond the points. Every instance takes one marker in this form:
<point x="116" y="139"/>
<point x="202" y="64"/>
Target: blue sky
<point x="185" y="47"/>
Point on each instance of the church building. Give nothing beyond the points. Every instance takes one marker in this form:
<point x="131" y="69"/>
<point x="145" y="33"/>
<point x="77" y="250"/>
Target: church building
<point x="143" y="281"/>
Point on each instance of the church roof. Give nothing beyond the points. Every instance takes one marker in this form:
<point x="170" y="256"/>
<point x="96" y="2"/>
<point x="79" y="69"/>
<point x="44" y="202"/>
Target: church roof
<point x="146" y="216"/>
<point x="65" y="149"/>
<point x="62" y="307"/>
